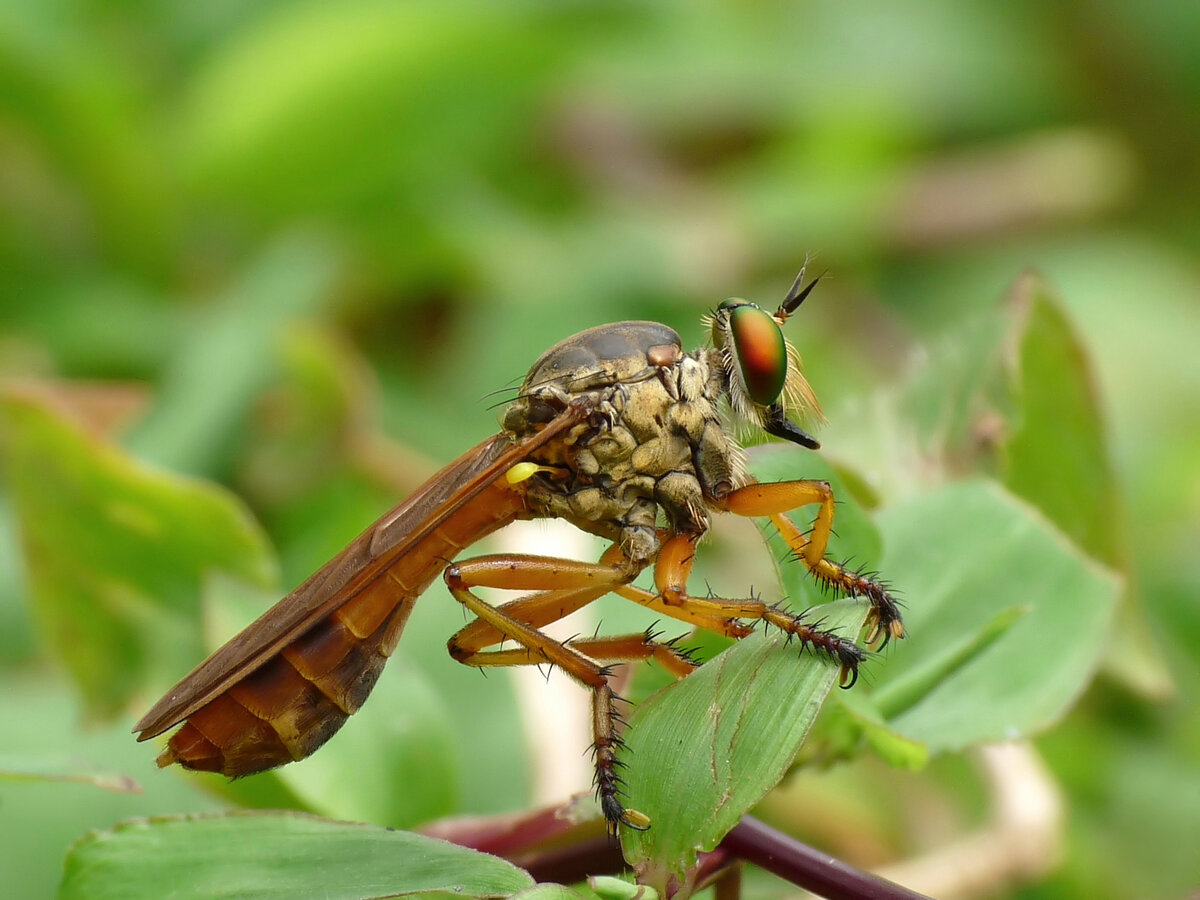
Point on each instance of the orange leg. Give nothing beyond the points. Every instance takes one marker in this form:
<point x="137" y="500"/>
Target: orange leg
<point x="563" y="586"/>
<point x="640" y="646"/>
<point x="624" y="648"/>
<point x="773" y="500"/>
<point x="671" y="572"/>
<point x="575" y="584"/>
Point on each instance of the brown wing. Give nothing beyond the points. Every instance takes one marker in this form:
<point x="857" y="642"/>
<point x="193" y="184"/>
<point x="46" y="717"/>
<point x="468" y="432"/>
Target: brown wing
<point x="410" y="545"/>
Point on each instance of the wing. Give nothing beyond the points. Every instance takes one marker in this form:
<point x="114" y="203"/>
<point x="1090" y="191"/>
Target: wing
<point x="400" y="533"/>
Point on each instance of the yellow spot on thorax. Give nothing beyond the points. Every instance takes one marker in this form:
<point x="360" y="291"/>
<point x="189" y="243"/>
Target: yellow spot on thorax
<point x="523" y="471"/>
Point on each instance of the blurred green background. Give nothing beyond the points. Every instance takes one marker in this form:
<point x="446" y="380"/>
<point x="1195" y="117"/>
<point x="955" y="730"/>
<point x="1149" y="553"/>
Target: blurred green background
<point x="247" y="241"/>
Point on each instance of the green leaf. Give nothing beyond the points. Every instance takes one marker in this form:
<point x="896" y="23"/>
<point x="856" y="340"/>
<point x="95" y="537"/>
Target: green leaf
<point x="702" y="752"/>
<point x="1007" y="619"/>
<point x="1012" y="393"/>
<point x="265" y="855"/>
<point x="852" y="718"/>
<point x="117" y="552"/>
<point x="1060" y="420"/>
<point x="1009" y="393"/>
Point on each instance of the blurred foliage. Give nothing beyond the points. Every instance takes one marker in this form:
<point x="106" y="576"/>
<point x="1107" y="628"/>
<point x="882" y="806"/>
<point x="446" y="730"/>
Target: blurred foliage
<point x="241" y="243"/>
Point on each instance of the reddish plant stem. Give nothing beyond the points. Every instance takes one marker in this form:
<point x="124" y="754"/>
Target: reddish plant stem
<point x="581" y="854"/>
<point x="800" y="864"/>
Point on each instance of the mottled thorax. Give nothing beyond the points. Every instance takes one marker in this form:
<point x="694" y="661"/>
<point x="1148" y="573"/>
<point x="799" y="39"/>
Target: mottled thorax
<point x="654" y="451"/>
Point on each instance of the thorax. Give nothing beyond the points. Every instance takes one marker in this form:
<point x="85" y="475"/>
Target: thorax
<point x="654" y="449"/>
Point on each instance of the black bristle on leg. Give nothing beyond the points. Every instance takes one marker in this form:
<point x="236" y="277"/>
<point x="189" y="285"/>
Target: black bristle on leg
<point x="608" y="782"/>
<point x="813" y="637"/>
<point x="885" y="621"/>
<point x="612" y="808"/>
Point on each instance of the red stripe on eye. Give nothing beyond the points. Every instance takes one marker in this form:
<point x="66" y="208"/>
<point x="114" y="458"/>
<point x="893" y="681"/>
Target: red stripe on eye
<point x="761" y="353"/>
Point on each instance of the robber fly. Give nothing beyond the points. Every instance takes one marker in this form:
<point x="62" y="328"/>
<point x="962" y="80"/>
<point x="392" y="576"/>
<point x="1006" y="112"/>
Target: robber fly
<point x="618" y="431"/>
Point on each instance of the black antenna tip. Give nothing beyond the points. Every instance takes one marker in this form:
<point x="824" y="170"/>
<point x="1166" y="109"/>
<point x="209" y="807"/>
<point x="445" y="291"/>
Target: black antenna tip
<point x="797" y="295"/>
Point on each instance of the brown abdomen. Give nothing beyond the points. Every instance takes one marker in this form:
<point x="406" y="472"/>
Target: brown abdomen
<point x="299" y="697"/>
<point x="292" y="705"/>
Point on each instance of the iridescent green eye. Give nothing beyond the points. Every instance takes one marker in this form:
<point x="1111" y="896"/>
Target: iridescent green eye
<point x="731" y="303"/>
<point x="760" y="351"/>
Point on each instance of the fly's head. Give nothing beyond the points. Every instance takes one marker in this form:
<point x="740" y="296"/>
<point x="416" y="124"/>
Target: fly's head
<point x="762" y="368"/>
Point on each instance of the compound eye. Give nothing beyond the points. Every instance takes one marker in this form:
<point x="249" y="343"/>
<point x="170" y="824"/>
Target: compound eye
<point x="760" y="350"/>
<point x="731" y="303"/>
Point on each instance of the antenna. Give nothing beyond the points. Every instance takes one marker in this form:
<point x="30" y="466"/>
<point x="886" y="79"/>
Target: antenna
<point x="797" y="294"/>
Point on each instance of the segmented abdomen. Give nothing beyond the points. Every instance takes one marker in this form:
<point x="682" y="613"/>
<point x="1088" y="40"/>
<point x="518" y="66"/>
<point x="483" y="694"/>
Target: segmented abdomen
<point x="298" y="698"/>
